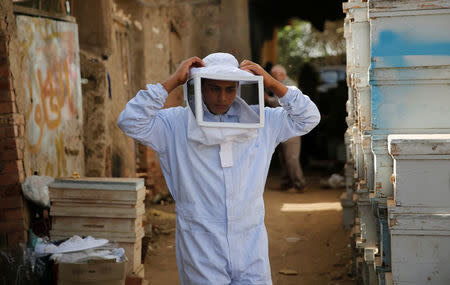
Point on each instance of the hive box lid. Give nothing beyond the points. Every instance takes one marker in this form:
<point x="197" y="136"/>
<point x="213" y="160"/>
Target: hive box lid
<point x="419" y="220"/>
<point x="419" y="144"/>
<point x="101" y="183"/>
<point x="97" y="273"/>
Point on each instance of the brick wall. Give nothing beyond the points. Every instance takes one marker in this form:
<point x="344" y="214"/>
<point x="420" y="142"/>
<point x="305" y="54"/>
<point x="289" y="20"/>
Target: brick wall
<point x="13" y="224"/>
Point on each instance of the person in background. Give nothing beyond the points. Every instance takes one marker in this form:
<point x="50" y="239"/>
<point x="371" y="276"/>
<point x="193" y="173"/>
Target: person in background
<point x="292" y="178"/>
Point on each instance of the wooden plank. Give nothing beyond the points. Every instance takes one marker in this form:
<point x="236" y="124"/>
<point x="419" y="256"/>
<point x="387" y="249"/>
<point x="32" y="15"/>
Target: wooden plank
<point x="98" y="202"/>
<point x="98" y="224"/>
<point x="97" y="195"/>
<point x="133" y="251"/>
<point x="405" y="5"/>
<point x="104" y="183"/>
<point x="115" y="237"/>
<point x="96" y="211"/>
<point x="41" y="13"/>
<point x="140" y="272"/>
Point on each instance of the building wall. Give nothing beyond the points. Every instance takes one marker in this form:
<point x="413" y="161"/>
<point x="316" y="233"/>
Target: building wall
<point x="106" y="68"/>
<point x="63" y="84"/>
<point x="123" y="45"/>
<point x="13" y="218"/>
<point x="95" y="94"/>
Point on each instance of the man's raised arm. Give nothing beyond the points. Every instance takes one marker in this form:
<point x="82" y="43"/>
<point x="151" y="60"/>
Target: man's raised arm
<point x="298" y="115"/>
<point x="142" y="120"/>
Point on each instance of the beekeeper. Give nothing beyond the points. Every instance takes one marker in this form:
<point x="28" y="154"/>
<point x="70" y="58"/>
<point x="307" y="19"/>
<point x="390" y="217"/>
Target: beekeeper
<point x="217" y="175"/>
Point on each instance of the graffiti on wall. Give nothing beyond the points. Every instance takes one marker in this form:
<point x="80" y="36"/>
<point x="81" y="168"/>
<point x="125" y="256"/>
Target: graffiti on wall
<point x="49" y="60"/>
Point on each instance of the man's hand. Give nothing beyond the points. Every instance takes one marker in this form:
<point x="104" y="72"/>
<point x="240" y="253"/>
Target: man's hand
<point x="269" y="82"/>
<point x="180" y="75"/>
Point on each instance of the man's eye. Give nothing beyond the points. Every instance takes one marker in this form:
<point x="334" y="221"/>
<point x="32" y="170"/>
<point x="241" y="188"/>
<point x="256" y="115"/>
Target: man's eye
<point x="231" y="89"/>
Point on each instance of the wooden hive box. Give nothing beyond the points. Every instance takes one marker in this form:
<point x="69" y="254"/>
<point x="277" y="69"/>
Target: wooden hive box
<point x="98" y="190"/>
<point x="130" y="242"/>
<point x="111" y="208"/>
<point x="97" y="224"/>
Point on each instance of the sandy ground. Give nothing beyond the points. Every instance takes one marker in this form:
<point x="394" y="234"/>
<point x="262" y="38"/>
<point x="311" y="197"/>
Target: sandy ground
<point x="305" y="238"/>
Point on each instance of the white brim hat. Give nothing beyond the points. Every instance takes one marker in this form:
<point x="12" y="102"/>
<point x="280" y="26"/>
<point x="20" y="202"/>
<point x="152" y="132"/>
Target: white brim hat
<point x="220" y="64"/>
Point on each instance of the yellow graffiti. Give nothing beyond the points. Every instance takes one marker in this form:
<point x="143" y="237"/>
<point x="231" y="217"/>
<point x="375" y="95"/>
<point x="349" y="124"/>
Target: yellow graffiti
<point x="47" y="54"/>
<point x="49" y="169"/>
<point x="50" y="36"/>
<point x="61" y="168"/>
<point x="47" y="112"/>
<point x="60" y="155"/>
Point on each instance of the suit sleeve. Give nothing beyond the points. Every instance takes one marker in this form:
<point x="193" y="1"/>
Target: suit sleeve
<point x="143" y="119"/>
<point x="297" y="116"/>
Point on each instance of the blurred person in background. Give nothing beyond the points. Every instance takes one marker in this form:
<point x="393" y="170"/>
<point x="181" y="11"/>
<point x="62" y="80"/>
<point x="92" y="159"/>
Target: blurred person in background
<point x="292" y="178"/>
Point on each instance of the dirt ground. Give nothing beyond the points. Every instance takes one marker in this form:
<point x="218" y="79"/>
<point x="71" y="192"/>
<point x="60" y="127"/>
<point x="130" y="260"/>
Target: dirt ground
<point x="305" y="238"/>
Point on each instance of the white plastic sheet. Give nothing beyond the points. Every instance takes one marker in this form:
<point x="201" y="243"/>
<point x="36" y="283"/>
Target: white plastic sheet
<point x="35" y="188"/>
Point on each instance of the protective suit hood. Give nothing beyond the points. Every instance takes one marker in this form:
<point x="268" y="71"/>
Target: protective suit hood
<point x="222" y="64"/>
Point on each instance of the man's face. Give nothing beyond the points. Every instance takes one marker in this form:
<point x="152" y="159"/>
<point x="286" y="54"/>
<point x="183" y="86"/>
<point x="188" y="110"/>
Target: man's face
<point x="218" y="95"/>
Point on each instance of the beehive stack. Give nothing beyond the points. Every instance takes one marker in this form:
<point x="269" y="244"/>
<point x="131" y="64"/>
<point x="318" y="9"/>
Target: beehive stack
<point x="419" y="213"/>
<point x="111" y="208"/>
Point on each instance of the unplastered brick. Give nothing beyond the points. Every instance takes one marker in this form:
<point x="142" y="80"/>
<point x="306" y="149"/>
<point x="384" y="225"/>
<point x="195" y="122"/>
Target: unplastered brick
<point x="12" y="178"/>
<point x="9" y="131"/>
<point x="5" y="82"/>
<point x="5" y="72"/>
<point x="11" y="143"/>
<point x="3" y="47"/>
<point x="11" y="202"/>
<point x="12" y="190"/>
<point x="12" y="166"/>
<point x="12" y="214"/>
<point x="12" y="119"/>
<point x="7" y="96"/>
<point x="7" y="107"/>
<point x="16" y="237"/>
<point x="12" y="154"/>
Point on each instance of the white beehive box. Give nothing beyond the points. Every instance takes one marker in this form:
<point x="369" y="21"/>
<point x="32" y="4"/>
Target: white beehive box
<point x="420" y="239"/>
<point x="421" y="169"/>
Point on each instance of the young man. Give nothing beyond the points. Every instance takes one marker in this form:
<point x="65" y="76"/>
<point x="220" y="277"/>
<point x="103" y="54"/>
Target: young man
<point x="217" y="176"/>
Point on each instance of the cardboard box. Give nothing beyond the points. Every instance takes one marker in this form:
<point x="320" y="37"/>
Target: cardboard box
<point x="93" y="273"/>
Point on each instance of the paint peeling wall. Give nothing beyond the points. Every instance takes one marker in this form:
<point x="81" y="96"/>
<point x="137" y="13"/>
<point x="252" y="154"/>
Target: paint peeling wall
<point x="48" y="63"/>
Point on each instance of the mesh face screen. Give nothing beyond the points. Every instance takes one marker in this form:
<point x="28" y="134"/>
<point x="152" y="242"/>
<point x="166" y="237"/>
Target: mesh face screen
<point x="242" y="105"/>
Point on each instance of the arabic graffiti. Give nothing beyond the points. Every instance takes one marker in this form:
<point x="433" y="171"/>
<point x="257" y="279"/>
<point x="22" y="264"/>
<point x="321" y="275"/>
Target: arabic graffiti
<point x="48" y="57"/>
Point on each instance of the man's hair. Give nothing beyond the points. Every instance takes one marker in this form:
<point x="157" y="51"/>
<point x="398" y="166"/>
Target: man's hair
<point x="203" y="81"/>
<point x="278" y="68"/>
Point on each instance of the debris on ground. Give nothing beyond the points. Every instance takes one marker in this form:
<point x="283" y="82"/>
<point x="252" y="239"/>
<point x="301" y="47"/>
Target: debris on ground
<point x="160" y="215"/>
<point x="334" y="181"/>
<point x="292" y="239"/>
<point x="288" y="272"/>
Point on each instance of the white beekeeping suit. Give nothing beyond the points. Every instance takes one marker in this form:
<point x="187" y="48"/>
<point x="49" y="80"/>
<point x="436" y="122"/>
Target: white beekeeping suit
<point x="220" y="233"/>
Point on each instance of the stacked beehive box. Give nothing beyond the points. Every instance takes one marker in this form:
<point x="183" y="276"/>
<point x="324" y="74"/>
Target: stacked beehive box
<point x="111" y="208"/>
<point x="397" y="85"/>
<point x="419" y="214"/>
